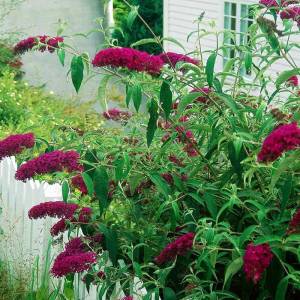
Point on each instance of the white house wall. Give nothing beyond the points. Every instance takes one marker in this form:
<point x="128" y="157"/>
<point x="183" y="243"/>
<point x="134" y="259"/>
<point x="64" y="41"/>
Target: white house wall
<point x="38" y="17"/>
<point x="180" y="19"/>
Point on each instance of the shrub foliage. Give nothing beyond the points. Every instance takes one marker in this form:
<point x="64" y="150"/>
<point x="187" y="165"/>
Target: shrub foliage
<point x="198" y="198"/>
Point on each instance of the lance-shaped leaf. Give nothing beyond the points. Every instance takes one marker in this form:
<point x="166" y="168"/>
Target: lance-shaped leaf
<point x="132" y="16"/>
<point x="166" y="98"/>
<point x="137" y="96"/>
<point x="152" y="124"/>
<point x="77" y="68"/>
<point x="210" y="68"/>
<point x="101" y="188"/>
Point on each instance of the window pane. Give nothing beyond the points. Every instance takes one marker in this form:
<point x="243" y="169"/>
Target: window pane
<point x="233" y="24"/>
<point x="227" y="23"/>
<point x="244" y="11"/>
<point x="227" y="10"/>
<point x="233" y="9"/>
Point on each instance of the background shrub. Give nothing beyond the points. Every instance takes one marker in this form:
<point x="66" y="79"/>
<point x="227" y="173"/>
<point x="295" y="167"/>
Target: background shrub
<point x="152" y="13"/>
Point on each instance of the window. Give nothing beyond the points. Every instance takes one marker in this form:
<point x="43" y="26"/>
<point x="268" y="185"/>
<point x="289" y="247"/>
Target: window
<point x="237" y="19"/>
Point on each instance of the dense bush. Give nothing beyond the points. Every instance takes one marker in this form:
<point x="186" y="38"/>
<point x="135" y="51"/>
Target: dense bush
<point x="8" y="60"/>
<point x="199" y="198"/>
<point x="23" y="107"/>
<point x="151" y="12"/>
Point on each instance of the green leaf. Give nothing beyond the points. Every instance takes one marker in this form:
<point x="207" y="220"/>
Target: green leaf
<point x="137" y="269"/>
<point x="282" y="288"/>
<point x="232" y="269"/>
<point x="229" y="101"/>
<point x="160" y="184"/>
<point x="211" y="204"/>
<point x="111" y="242"/>
<point x="174" y="41"/>
<point x="186" y="100"/>
<point x="166" y="98"/>
<point x="128" y="94"/>
<point x="285" y="75"/>
<point x="137" y="96"/>
<point x="246" y="234"/>
<point x="210" y="67"/>
<point x="144" y="42"/>
<point x="132" y="16"/>
<point x="77" y="68"/>
<point x="101" y="185"/>
<point x="268" y="239"/>
<point x="152" y="124"/>
<point x="89" y="183"/>
<point x="274" y="42"/>
<point x="61" y="53"/>
<point x="86" y="60"/>
<point x="65" y="191"/>
<point x="227" y="68"/>
<point x="119" y="166"/>
<point x="217" y="85"/>
<point x="286" y="191"/>
<point x="102" y="88"/>
<point x="248" y="61"/>
<point x="169" y="294"/>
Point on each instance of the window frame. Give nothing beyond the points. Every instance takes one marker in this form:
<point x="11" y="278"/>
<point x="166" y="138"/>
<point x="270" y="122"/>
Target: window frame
<point x="238" y="22"/>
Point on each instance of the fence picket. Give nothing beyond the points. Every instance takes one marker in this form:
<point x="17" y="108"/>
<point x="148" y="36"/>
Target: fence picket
<point x="24" y="240"/>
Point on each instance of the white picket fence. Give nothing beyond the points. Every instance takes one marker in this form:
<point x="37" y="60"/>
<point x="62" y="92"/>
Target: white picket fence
<point x="24" y="240"/>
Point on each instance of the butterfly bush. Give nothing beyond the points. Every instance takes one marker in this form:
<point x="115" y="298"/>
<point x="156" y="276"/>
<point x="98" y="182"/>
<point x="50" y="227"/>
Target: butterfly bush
<point x="15" y="144"/>
<point x="116" y="115"/>
<point x="282" y="139"/>
<point x="195" y="194"/>
<point x="274" y="3"/>
<point x="46" y="43"/>
<point x="78" y="182"/>
<point x="172" y="58"/>
<point x="293" y="81"/>
<point x="68" y="212"/>
<point x="205" y="91"/>
<point x="131" y="59"/>
<point x="56" y="161"/>
<point x="256" y="260"/>
<point x="294" y="223"/>
<point x="179" y="247"/>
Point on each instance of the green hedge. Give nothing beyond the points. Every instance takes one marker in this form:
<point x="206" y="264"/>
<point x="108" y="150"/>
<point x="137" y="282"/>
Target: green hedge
<point x="151" y="11"/>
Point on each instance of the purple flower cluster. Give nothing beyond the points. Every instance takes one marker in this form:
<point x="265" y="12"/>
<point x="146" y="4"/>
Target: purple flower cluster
<point x="81" y="217"/>
<point x="78" y="182"/>
<point x="293" y="81"/>
<point x="256" y="261"/>
<point x="68" y="212"/>
<point x="59" y="227"/>
<point x="282" y="139"/>
<point x="47" y="43"/>
<point x="55" y="161"/>
<point x="117" y="115"/>
<point x="274" y="4"/>
<point x="128" y="58"/>
<point x="171" y="58"/>
<point x="205" y="91"/>
<point x="291" y="13"/>
<point x="178" y="247"/>
<point x="187" y="138"/>
<point x="175" y="160"/>
<point x="75" y="259"/>
<point x="168" y="178"/>
<point x="55" y="209"/>
<point x="15" y="144"/>
<point x="294" y="223"/>
<point x="127" y="298"/>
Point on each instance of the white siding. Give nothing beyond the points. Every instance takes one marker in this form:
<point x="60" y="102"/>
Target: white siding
<point x="180" y="19"/>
